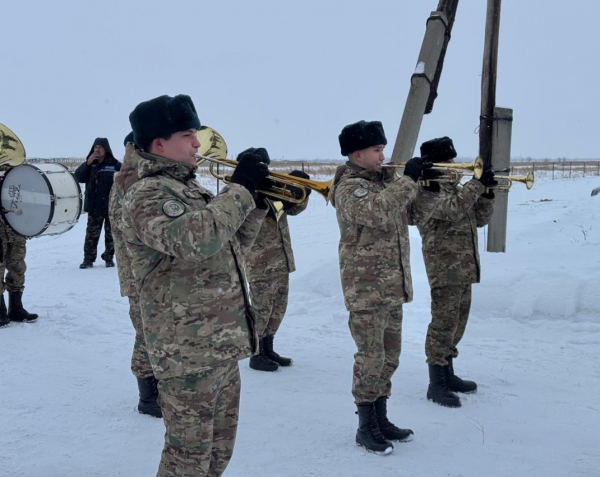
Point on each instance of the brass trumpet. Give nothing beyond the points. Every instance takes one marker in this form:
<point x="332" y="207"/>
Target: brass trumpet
<point x="12" y="151"/>
<point x="475" y="167"/>
<point x="213" y="148"/>
<point x="528" y="180"/>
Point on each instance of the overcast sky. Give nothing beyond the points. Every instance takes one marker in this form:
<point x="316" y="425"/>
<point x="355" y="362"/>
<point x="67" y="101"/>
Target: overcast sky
<point x="288" y="75"/>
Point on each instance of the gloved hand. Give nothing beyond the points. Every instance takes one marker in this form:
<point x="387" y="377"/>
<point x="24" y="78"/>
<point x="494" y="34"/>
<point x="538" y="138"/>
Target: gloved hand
<point x="261" y="151"/>
<point x="487" y="177"/>
<point x="250" y="171"/>
<point x="301" y="174"/>
<point x="431" y="174"/>
<point x="432" y="187"/>
<point x="489" y="194"/>
<point x="295" y="190"/>
<point x="415" y="167"/>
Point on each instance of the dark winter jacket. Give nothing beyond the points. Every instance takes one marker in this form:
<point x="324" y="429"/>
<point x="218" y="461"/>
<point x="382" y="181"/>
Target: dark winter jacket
<point x="98" y="179"/>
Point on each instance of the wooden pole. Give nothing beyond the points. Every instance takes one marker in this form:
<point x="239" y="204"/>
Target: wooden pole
<point x="488" y="80"/>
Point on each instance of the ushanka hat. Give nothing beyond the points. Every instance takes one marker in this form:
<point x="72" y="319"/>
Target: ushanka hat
<point x="161" y="117"/>
<point x="361" y="135"/>
<point x="438" y="149"/>
<point x="128" y="139"/>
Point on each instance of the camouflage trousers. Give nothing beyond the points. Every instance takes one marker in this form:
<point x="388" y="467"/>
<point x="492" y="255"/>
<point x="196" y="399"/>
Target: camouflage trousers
<point x="140" y="362"/>
<point x="269" y="300"/>
<point x="13" y="253"/>
<point x="450" y="308"/>
<point x="92" y="237"/>
<point x="201" y="413"/>
<point x="378" y="338"/>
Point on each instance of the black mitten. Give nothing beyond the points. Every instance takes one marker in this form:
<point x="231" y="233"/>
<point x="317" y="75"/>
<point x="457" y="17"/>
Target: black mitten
<point x="295" y="190"/>
<point x="415" y="166"/>
<point x="261" y="151"/>
<point x="487" y="178"/>
<point x="489" y="194"/>
<point x="432" y="187"/>
<point x="250" y="171"/>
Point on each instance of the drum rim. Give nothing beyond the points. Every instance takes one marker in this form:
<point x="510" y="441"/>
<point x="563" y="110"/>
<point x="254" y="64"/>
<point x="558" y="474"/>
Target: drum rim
<point x="52" y="202"/>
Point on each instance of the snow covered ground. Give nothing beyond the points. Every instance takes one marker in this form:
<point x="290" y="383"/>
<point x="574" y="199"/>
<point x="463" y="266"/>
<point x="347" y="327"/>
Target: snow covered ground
<point x="68" y="397"/>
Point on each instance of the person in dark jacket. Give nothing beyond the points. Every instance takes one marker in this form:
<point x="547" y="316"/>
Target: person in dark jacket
<point x="97" y="173"/>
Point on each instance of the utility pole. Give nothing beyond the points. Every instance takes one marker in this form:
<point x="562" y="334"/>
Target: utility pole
<point x="495" y="127"/>
<point x="425" y="79"/>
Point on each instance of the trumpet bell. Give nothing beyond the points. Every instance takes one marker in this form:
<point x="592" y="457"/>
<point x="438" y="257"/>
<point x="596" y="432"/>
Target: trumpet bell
<point x="12" y="151"/>
<point x="212" y="144"/>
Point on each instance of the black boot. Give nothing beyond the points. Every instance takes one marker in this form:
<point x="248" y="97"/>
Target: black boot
<point x="457" y="384"/>
<point x="107" y="260"/>
<point x="389" y="430"/>
<point x="438" y="391"/>
<point x="273" y="356"/>
<point x="16" y="312"/>
<point x="4" y="319"/>
<point x="86" y="264"/>
<point x="368" y="434"/>
<point x="261" y="362"/>
<point x="148" y="404"/>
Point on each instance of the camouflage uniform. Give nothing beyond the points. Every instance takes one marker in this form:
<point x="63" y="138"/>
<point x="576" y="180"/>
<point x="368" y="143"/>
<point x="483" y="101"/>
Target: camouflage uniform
<point x="375" y="270"/>
<point x="140" y="363"/>
<point x="447" y="221"/>
<point x="92" y="237"/>
<point x="268" y="265"/>
<point x="13" y="261"/>
<point x="186" y="246"/>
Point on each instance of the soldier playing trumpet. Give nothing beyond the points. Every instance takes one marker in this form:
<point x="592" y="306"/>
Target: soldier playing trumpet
<point x="447" y="216"/>
<point x="375" y="272"/>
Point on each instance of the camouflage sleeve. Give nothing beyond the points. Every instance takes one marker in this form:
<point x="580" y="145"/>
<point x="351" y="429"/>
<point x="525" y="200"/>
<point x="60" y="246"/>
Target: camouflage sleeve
<point x="452" y="208"/>
<point x="298" y="208"/>
<point x="250" y="229"/>
<point x="484" y="208"/>
<point x="359" y="205"/>
<point x="195" y="234"/>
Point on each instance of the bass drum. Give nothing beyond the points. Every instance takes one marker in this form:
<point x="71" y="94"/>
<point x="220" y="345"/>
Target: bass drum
<point x="41" y="199"/>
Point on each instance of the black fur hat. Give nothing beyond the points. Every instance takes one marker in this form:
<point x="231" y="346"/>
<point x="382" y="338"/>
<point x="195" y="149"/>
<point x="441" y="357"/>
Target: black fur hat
<point x="439" y="149"/>
<point x="161" y="117"/>
<point x="102" y="141"/>
<point x="361" y="135"/>
<point x="128" y="139"/>
<point x="261" y="151"/>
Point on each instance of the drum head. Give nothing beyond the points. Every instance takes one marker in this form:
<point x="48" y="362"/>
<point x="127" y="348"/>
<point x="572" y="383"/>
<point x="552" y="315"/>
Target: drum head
<point x="26" y="195"/>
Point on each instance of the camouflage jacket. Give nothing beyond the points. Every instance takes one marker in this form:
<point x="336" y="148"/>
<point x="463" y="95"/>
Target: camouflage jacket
<point x="271" y="254"/>
<point x="448" y="221"/>
<point x="186" y="246"/>
<point x="123" y="179"/>
<point x="374" y="249"/>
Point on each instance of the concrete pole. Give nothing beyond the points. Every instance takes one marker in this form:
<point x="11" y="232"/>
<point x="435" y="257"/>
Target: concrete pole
<point x="421" y="81"/>
<point x="502" y="133"/>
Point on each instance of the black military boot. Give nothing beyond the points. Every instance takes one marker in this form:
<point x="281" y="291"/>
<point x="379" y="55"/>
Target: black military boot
<point x="16" y="312"/>
<point x="368" y="434"/>
<point x="148" y="404"/>
<point x="273" y="356"/>
<point x="261" y="362"/>
<point x="4" y="319"/>
<point x="86" y="263"/>
<point x="438" y="391"/>
<point x="457" y="384"/>
<point x="389" y="430"/>
<point x="107" y="260"/>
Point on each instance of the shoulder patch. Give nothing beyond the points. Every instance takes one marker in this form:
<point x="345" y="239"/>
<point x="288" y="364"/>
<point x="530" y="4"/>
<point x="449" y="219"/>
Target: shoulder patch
<point x="173" y="208"/>
<point x="361" y="192"/>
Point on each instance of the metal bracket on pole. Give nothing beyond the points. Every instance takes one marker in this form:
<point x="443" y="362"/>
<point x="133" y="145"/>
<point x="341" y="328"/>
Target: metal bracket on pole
<point x="502" y="133"/>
